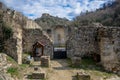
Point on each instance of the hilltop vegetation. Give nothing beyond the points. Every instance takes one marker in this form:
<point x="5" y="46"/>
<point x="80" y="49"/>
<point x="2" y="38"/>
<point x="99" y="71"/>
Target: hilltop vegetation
<point x="47" y="20"/>
<point x="108" y="15"/>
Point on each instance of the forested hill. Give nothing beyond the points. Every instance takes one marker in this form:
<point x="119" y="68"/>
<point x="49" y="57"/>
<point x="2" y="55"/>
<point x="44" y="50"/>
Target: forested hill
<point x="109" y="15"/>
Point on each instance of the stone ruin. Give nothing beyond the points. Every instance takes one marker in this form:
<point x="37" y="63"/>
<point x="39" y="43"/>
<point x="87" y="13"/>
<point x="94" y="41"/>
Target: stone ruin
<point x="45" y="61"/>
<point x="38" y="74"/>
<point x="100" y="40"/>
<point x="25" y="33"/>
<point x="110" y="48"/>
<point x="76" y="60"/>
<point x="83" y="76"/>
<point x="82" y="40"/>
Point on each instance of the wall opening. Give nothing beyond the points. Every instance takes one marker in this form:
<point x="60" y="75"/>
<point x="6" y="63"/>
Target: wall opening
<point x="59" y="39"/>
<point x="97" y="58"/>
<point x="38" y="49"/>
<point x="60" y="53"/>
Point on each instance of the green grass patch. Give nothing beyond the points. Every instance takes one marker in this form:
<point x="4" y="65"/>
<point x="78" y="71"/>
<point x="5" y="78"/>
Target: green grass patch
<point x="16" y="70"/>
<point x="86" y="64"/>
<point x="90" y="66"/>
<point x="23" y="66"/>
<point x="88" y="61"/>
<point x="13" y="71"/>
<point x="1" y="79"/>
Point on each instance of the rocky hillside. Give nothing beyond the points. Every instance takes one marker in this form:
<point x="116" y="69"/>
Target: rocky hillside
<point x="109" y="15"/>
<point x="47" y="20"/>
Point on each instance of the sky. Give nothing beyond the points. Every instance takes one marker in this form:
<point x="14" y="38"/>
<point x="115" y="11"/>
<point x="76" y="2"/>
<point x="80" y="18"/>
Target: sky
<point x="62" y="8"/>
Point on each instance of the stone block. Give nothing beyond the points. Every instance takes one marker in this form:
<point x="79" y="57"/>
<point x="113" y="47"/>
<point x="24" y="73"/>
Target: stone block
<point x="38" y="75"/>
<point x="118" y="73"/>
<point x="45" y="61"/>
<point x="36" y="58"/>
<point x="83" y="76"/>
<point x="76" y="61"/>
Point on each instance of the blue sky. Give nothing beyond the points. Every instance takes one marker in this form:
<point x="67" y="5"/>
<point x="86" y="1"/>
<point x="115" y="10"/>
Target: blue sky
<point x="61" y="8"/>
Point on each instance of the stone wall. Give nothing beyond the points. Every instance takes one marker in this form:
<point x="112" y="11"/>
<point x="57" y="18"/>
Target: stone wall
<point x="1" y="33"/>
<point x="13" y="46"/>
<point x="32" y="33"/>
<point x="25" y="33"/>
<point x="110" y="47"/>
<point x="31" y="36"/>
<point x="82" y="41"/>
<point x="58" y="34"/>
<point x="101" y="40"/>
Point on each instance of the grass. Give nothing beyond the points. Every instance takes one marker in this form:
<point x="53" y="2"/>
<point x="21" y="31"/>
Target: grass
<point x="13" y="71"/>
<point x="89" y="63"/>
<point x="16" y="70"/>
<point x="86" y="63"/>
<point x="1" y="79"/>
<point x="23" y="66"/>
<point x="90" y="66"/>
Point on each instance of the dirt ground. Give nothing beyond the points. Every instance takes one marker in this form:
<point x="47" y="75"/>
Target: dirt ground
<point x="60" y="70"/>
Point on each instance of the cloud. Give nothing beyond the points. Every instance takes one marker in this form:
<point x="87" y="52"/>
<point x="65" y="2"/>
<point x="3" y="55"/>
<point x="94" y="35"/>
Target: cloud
<point x="61" y="8"/>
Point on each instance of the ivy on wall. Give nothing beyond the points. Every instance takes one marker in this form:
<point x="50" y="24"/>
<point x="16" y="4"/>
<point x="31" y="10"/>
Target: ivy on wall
<point x="6" y="34"/>
<point x="7" y="31"/>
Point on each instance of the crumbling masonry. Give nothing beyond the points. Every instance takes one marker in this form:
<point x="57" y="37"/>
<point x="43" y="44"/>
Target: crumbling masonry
<point x="96" y="39"/>
<point x="80" y="41"/>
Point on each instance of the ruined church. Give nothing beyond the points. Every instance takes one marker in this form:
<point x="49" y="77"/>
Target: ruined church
<point x="61" y="41"/>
